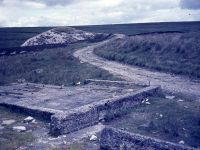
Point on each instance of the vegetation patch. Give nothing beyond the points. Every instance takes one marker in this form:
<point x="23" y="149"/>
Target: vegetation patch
<point x="51" y="66"/>
<point x="143" y="28"/>
<point x="10" y="139"/>
<point x="177" y="53"/>
<point x="176" y="120"/>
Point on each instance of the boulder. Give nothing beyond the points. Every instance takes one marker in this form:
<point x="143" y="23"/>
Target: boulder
<point x="93" y="138"/>
<point x="148" y="103"/>
<point x="19" y="128"/>
<point x="169" y="97"/>
<point x="181" y="142"/>
<point x="8" y="122"/>
<point x="28" y="119"/>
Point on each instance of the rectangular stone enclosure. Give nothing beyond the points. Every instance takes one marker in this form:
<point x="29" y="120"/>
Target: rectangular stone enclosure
<point x="69" y="109"/>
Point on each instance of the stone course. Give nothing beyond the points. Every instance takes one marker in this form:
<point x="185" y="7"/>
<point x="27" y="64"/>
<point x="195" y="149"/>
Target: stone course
<point x="112" y="139"/>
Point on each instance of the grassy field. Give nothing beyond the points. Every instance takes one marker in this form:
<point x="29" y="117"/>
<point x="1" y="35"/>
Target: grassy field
<point x="141" y="28"/>
<point x="177" y="53"/>
<point x="173" y="120"/>
<point x="14" y="37"/>
<point x="50" y="66"/>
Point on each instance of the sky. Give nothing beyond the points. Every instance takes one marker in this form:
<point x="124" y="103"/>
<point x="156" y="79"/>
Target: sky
<point x="18" y="13"/>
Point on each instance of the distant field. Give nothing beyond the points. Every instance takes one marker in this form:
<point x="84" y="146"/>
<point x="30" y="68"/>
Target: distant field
<point x="177" y="53"/>
<point x="141" y="28"/>
<point x="55" y="66"/>
<point x="14" y="37"/>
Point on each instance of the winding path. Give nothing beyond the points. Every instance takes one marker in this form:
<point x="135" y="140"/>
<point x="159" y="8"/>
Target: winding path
<point x="168" y="82"/>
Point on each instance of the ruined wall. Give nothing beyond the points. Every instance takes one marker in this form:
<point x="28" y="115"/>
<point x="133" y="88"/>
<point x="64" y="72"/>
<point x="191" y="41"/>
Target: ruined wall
<point x="115" y="83"/>
<point x="91" y="114"/>
<point x="74" y="120"/>
<point x="113" y="139"/>
<point x="41" y="114"/>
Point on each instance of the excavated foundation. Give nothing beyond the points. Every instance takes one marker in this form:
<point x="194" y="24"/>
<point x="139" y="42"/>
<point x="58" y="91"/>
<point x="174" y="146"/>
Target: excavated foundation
<point x="69" y="109"/>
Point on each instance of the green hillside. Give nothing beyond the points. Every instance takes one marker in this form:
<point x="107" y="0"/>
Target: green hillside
<point x="177" y="53"/>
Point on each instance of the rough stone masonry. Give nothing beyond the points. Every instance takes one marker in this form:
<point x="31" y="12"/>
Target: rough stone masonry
<point x="69" y="109"/>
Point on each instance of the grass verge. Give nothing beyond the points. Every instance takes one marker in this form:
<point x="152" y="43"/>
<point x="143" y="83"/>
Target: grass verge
<point x="177" y="53"/>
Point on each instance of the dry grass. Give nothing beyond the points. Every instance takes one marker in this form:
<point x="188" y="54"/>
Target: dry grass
<point x="51" y="66"/>
<point x="171" y="120"/>
<point x="177" y="53"/>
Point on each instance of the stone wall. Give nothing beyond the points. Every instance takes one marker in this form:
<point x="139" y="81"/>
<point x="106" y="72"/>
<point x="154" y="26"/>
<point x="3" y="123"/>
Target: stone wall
<point x="70" y="120"/>
<point x="114" y="83"/>
<point x="73" y="120"/>
<point x="113" y="139"/>
<point x="41" y="114"/>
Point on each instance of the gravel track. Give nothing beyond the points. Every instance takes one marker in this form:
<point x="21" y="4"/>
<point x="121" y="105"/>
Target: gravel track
<point x="168" y="82"/>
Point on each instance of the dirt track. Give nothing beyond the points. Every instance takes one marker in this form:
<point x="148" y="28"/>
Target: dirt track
<point x="168" y="82"/>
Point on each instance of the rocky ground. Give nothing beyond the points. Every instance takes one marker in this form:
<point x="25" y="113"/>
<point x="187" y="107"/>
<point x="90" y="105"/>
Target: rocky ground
<point x="63" y="35"/>
<point x="22" y="132"/>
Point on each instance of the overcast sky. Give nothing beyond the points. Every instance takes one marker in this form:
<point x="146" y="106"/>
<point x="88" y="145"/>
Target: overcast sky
<point x="88" y="12"/>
